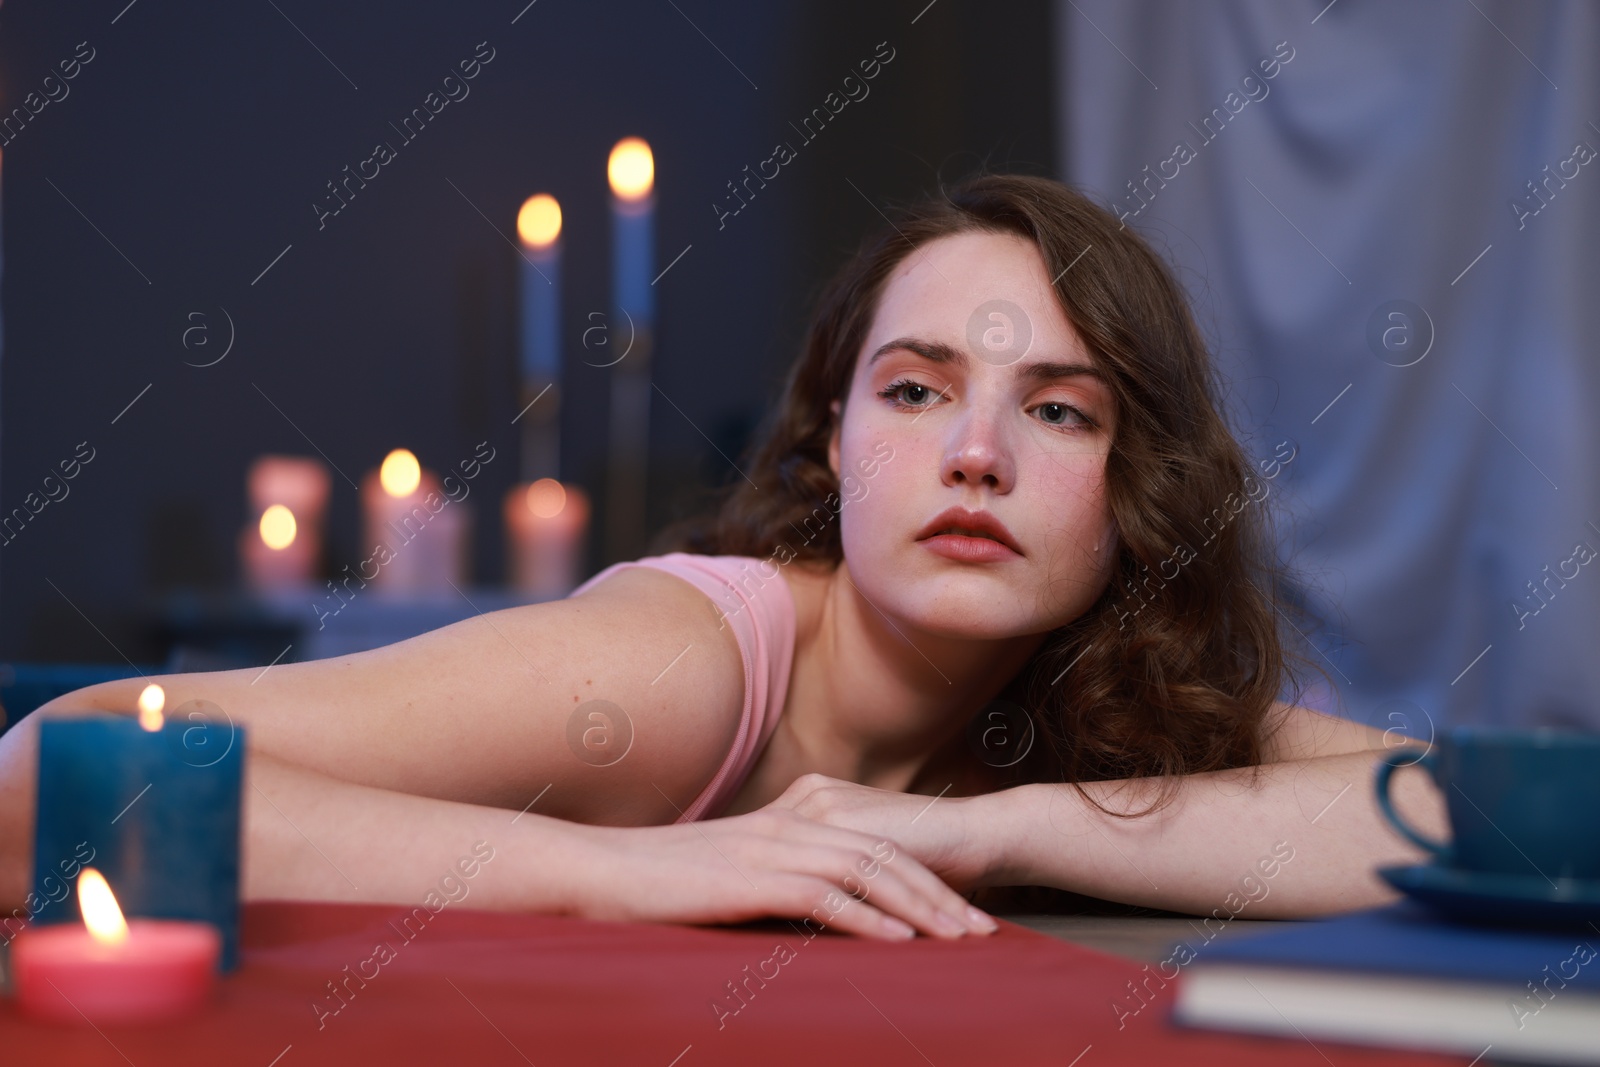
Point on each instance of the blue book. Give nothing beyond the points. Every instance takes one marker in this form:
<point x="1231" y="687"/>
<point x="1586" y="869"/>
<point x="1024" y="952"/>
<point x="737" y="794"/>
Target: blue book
<point x="1399" y="976"/>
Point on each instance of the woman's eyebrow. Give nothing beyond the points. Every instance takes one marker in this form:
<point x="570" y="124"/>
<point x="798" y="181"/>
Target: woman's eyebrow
<point x="939" y="352"/>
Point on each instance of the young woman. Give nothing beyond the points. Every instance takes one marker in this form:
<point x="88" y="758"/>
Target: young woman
<point x="998" y="473"/>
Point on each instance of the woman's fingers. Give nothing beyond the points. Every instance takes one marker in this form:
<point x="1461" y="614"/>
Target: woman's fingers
<point x="948" y="907"/>
<point x="830" y="907"/>
<point x="867" y="868"/>
<point x="853" y="876"/>
<point x="790" y="866"/>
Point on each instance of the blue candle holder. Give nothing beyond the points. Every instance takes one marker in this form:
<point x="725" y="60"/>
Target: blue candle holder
<point x="156" y="812"/>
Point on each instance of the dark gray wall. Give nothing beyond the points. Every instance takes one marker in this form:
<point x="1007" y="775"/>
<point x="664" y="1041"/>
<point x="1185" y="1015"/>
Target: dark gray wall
<point x="194" y="143"/>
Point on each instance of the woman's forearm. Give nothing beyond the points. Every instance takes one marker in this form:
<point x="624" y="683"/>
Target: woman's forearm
<point x="1303" y="838"/>
<point x="308" y="836"/>
<point x="311" y="837"/>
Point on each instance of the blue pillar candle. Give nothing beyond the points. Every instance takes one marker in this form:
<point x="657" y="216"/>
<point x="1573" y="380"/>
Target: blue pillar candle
<point x="631" y="171"/>
<point x="155" y="811"/>
<point x="539" y="227"/>
<point x="539" y="409"/>
<point x="632" y="264"/>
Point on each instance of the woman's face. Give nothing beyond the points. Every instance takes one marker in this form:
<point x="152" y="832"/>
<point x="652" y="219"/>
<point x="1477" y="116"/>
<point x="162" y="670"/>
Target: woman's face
<point x="974" y="391"/>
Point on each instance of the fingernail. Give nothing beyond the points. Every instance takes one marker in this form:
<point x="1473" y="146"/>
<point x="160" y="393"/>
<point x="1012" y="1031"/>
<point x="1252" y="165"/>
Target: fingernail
<point x="981" y="920"/>
<point x="949" y="923"/>
<point x="898" y="929"/>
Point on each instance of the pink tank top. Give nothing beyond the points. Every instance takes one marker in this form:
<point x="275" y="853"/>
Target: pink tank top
<point x="755" y="601"/>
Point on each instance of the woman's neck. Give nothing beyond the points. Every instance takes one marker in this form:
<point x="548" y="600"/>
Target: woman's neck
<point x="872" y="700"/>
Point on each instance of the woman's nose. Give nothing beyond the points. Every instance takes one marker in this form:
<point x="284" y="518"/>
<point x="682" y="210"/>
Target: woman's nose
<point x="977" y="455"/>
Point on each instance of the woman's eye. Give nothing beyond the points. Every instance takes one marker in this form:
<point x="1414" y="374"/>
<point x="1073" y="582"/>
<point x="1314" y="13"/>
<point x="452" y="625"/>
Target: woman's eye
<point x="1058" y="414"/>
<point x="907" y="393"/>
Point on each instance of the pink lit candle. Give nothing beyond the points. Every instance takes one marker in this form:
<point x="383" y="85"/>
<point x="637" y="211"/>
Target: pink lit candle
<point x="107" y="970"/>
<point x="546" y="523"/>
<point x="282" y="546"/>
<point x="415" y="533"/>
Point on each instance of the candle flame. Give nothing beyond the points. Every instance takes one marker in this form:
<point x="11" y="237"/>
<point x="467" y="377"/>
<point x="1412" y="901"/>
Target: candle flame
<point x="278" y="527"/>
<point x="401" y="473"/>
<point x="546" y="498"/>
<point x="99" y="907"/>
<point x="631" y="169"/>
<point x="539" y="221"/>
<point x="151" y="701"/>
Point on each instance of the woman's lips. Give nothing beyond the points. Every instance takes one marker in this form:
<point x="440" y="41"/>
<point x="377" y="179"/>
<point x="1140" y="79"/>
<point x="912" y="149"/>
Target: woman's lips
<point x="967" y="549"/>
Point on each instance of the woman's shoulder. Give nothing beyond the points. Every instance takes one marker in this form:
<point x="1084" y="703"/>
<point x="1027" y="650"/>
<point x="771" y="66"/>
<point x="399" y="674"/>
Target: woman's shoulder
<point x="734" y="584"/>
<point x="684" y="691"/>
<point x="630" y="577"/>
<point x="744" y="605"/>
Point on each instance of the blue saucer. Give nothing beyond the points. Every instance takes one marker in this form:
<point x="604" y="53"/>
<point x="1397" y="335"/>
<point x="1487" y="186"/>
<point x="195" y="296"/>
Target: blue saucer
<point x="1498" y="899"/>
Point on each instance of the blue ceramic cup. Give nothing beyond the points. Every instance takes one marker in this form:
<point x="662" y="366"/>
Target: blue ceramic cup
<point x="1522" y="802"/>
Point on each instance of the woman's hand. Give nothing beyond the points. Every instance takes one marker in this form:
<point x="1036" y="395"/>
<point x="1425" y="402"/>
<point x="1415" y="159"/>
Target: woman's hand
<point x="770" y="863"/>
<point x="944" y="834"/>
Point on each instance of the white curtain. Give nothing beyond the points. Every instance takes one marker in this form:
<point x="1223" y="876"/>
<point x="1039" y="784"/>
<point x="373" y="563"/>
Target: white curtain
<point x="1387" y="216"/>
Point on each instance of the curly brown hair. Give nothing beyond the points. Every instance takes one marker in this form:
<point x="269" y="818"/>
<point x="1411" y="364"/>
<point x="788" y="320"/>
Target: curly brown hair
<point x="1166" y="674"/>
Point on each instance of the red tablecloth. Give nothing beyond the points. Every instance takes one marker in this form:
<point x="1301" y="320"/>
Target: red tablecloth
<point x="491" y="988"/>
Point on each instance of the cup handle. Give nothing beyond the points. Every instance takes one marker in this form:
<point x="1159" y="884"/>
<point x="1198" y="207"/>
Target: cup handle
<point x="1387" y="764"/>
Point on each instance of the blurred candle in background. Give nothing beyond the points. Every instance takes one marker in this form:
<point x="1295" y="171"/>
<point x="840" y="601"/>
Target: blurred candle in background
<point x="631" y="171"/>
<point x="546" y="524"/>
<point x="416" y="536"/>
<point x="539" y="227"/>
<point x="281" y="548"/>
<point x="631" y="331"/>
